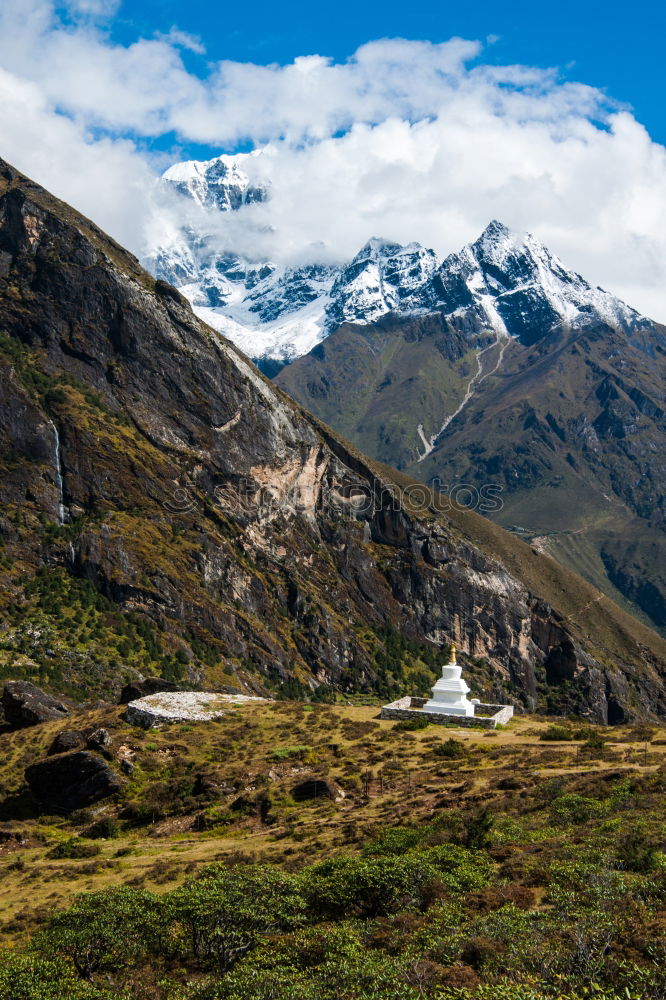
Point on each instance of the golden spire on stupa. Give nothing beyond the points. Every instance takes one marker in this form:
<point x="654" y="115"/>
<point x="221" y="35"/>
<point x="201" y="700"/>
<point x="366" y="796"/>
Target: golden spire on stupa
<point x="452" y="652"/>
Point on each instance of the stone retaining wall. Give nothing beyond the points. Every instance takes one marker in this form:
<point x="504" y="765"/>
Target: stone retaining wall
<point x="411" y="708"/>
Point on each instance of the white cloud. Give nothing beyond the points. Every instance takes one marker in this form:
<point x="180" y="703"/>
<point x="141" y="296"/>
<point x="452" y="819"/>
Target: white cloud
<point x="408" y="140"/>
<point x="184" y="40"/>
<point x="92" y="8"/>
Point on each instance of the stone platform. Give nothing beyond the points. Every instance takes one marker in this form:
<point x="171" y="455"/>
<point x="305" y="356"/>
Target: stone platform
<point x="183" y="706"/>
<point x="485" y="716"/>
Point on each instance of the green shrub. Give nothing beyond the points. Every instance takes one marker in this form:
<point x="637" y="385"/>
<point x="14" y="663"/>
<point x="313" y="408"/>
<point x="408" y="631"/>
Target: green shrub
<point x="573" y="808"/>
<point x="224" y="912"/>
<point x="411" y="725"/>
<point x="450" y="749"/>
<point x="556" y="734"/>
<point x="638" y="852"/>
<point x="286" y="753"/>
<point x="74" y="847"/>
<point x="395" y="840"/>
<point x="366" y="887"/>
<point x="458" y="868"/>
<point x="31" y="977"/>
<point x="478" y="833"/>
<point x="105" y="829"/>
<point x="109" y="929"/>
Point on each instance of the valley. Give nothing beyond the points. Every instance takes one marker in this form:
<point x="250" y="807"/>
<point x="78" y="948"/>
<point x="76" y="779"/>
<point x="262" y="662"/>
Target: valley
<point x="387" y="347"/>
<point x="332" y="503"/>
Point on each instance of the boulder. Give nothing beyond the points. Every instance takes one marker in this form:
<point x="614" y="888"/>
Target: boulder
<point x="69" y="739"/>
<point x="26" y="705"/>
<point x="72" y="781"/>
<point x="141" y="689"/>
<point x="316" y="788"/>
<point x="100" y="741"/>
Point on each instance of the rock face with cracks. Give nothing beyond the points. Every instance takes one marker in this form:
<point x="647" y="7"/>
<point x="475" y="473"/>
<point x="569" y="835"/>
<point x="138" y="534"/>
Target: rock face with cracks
<point x="24" y="704"/>
<point x="197" y="498"/>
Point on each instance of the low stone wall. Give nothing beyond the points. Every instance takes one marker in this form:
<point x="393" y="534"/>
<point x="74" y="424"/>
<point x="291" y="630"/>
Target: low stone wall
<point x="411" y="708"/>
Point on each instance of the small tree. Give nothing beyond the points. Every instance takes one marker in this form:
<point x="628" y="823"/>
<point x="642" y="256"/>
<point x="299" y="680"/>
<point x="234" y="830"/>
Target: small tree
<point x="225" y="911"/>
<point x="109" y="929"/>
<point x="31" y="977"/>
<point x="367" y="886"/>
<point x="479" y="828"/>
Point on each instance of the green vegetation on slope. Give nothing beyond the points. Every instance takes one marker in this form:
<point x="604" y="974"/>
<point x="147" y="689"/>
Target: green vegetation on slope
<point x="525" y="864"/>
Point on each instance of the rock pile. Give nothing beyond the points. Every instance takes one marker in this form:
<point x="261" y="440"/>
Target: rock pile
<point x="183" y="706"/>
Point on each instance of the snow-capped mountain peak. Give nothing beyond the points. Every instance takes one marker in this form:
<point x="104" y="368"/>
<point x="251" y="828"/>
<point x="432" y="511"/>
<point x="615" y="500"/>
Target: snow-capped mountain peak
<point x="512" y="282"/>
<point x="505" y="282"/>
<point x="221" y="183"/>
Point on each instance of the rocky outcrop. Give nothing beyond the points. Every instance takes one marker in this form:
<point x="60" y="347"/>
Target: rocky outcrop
<point x="70" y="739"/>
<point x="316" y="788"/>
<point x="27" y="705"/>
<point x="101" y="741"/>
<point x="71" y="781"/>
<point x="228" y="528"/>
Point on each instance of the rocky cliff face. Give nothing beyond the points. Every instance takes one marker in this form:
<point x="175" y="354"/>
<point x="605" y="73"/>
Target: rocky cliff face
<point x="164" y="502"/>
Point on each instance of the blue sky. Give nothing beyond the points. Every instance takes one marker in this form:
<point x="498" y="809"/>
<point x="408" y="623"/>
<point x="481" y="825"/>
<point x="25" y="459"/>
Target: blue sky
<point x="411" y="121"/>
<point x="616" y="47"/>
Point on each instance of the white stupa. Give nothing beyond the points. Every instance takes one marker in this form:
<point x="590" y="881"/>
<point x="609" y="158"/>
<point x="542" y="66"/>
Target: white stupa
<point x="449" y="694"/>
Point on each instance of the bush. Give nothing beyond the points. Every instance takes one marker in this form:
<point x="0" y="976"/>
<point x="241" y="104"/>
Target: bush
<point x="479" y="830"/>
<point x="458" y="868"/>
<point x="637" y="852"/>
<point x="224" y="912"/>
<point x="74" y="847"/>
<point x="287" y="753"/>
<point x="451" y="749"/>
<point x="573" y="808"/>
<point x="105" y="829"/>
<point x="367" y="887"/>
<point x="31" y="977"/>
<point x="395" y="840"/>
<point x="109" y="929"/>
<point x="411" y="725"/>
<point x="556" y="734"/>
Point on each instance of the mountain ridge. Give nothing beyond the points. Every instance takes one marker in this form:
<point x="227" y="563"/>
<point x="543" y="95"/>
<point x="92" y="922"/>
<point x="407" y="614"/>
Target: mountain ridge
<point x="502" y="282"/>
<point x="216" y="525"/>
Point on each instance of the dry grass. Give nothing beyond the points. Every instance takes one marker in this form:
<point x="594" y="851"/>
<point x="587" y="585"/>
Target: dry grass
<point x="406" y="780"/>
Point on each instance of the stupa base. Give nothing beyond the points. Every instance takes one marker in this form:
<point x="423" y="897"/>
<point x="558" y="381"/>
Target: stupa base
<point x="485" y="716"/>
<point x="434" y="706"/>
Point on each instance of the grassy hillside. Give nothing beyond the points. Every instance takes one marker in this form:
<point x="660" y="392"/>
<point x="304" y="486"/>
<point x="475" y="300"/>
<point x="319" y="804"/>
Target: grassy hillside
<point x="438" y="863"/>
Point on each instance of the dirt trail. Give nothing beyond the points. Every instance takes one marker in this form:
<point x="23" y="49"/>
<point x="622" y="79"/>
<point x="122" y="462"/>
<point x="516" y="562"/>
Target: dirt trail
<point x="474" y="383"/>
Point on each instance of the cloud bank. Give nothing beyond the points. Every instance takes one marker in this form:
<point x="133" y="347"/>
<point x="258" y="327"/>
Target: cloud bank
<point x="406" y="140"/>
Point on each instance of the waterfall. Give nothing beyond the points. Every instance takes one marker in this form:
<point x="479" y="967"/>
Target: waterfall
<point x="58" y="471"/>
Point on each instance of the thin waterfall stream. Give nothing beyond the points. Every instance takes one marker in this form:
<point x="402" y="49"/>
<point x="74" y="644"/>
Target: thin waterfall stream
<point x="58" y="473"/>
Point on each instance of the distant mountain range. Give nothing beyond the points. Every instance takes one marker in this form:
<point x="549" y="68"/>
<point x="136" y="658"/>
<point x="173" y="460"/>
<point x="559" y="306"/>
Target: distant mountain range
<point x="495" y="366"/>
<point x="503" y="282"/>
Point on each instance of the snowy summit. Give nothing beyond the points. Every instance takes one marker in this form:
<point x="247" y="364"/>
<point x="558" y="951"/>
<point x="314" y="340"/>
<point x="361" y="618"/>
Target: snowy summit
<point x="504" y="282"/>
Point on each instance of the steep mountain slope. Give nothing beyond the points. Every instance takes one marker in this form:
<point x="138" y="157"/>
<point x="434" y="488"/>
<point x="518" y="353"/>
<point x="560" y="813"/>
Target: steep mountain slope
<point x="164" y="506"/>
<point x="554" y="395"/>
